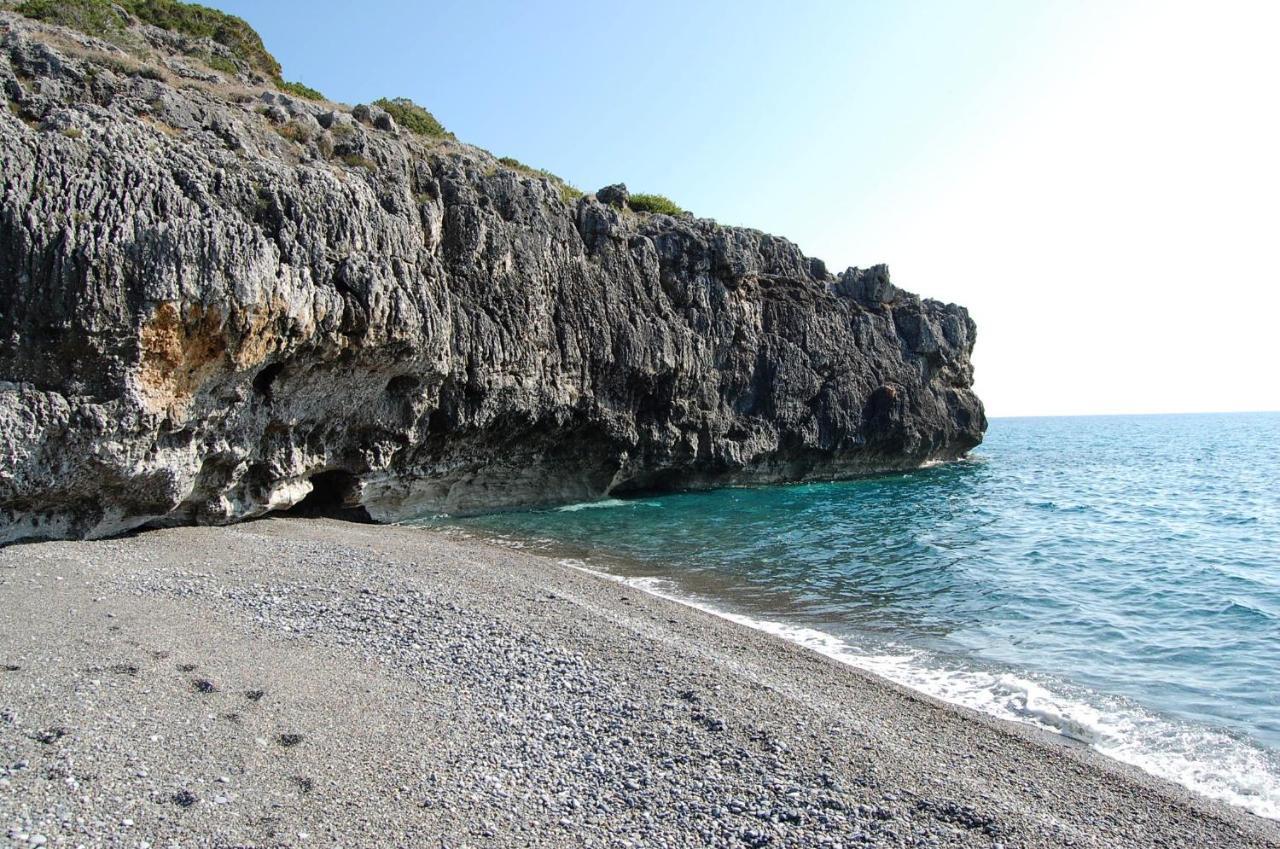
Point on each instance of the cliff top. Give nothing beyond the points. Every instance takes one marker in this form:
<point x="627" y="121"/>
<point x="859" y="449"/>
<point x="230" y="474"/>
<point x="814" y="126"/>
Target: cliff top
<point x="152" y="31"/>
<point x="188" y="45"/>
<point x="118" y="21"/>
<point x="215" y="57"/>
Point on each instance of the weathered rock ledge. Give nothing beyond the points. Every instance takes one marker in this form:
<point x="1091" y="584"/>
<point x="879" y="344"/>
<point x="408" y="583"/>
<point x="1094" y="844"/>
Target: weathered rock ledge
<point x="217" y="300"/>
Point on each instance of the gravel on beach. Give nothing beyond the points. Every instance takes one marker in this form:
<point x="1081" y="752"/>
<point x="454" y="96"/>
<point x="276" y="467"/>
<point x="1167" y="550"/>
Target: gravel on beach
<point x="300" y="683"/>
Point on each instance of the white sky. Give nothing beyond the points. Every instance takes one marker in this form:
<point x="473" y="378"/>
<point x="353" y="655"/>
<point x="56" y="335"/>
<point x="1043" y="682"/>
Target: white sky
<point x="1117" y="238"/>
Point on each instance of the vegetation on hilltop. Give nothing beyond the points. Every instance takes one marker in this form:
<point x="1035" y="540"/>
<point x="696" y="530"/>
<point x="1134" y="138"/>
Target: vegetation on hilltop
<point x="100" y="18"/>
<point x="202" y="22"/>
<point x="103" y="19"/>
<point x="299" y="90"/>
<point x="95" y="17"/>
<point x="413" y="117"/>
<point x="654" y="203"/>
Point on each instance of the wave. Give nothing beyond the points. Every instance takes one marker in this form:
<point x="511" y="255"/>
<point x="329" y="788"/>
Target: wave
<point x="1209" y="761"/>
<point x="598" y="505"/>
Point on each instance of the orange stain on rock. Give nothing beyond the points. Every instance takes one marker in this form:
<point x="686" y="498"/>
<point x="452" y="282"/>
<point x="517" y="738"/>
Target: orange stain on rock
<point x="178" y="353"/>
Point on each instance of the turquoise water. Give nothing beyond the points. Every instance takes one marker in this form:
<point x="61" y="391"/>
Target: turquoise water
<point x="1113" y="579"/>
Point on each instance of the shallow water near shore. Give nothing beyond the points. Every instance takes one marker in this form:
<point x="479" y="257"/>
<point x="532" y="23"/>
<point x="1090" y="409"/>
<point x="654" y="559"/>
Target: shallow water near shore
<point x="1115" y="580"/>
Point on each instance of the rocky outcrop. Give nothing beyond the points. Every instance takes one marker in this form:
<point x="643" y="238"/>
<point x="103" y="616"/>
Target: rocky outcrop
<point x="217" y="300"/>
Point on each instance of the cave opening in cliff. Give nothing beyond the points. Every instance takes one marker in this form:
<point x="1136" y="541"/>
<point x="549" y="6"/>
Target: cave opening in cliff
<point x="331" y="497"/>
<point x="263" y="380"/>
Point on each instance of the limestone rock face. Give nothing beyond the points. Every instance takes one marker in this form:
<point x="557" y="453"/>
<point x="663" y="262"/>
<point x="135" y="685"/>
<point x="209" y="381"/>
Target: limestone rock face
<point x="218" y="301"/>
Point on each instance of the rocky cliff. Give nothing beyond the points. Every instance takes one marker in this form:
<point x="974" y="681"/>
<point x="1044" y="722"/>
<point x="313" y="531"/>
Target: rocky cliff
<point x="219" y="300"/>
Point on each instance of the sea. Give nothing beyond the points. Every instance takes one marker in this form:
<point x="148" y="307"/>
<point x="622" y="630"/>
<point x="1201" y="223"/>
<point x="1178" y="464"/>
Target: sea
<point x="1111" y="579"/>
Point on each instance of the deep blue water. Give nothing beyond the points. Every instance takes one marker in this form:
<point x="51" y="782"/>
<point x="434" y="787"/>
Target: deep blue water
<point x="1114" y="579"/>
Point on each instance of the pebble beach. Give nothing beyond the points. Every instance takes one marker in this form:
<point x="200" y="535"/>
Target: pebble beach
<point x="306" y="682"/>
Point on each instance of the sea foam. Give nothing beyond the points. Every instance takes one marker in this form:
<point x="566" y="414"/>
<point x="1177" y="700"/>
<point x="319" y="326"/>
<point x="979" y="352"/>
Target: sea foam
<point x="1212" y="762"/>
<point x="600" y="505"/>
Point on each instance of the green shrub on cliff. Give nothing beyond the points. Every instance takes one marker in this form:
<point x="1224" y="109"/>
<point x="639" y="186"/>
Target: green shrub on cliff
<point x="299" y="90"/>
<point x="223" y="64"/>
<point x="203" y="22"/>
<point x="95" y="17"/>
<point x="100" y="18"/>
<point x="355" y="160"/>
<point x="654" y="203"/>
<point x="413" y="117"/>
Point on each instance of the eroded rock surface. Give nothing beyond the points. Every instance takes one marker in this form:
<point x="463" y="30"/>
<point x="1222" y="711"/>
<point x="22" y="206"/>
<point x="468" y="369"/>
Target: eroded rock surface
<point x="217" y="300"/>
